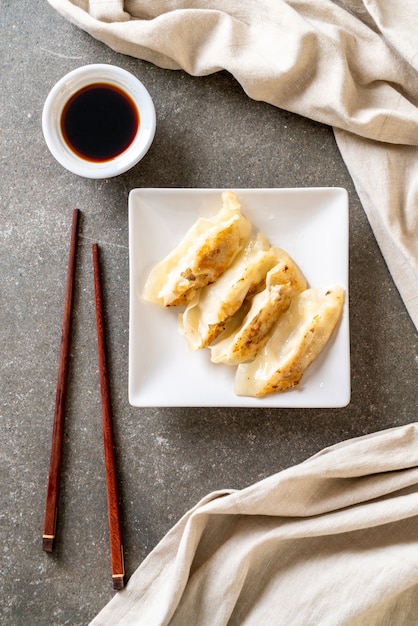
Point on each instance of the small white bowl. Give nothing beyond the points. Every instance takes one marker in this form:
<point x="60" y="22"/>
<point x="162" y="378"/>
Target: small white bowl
<point x="69" y="85"/>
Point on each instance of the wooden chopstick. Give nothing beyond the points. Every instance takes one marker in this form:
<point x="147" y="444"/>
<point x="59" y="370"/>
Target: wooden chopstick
<point x="51" y="510"/>
<point x="116" y="545"/>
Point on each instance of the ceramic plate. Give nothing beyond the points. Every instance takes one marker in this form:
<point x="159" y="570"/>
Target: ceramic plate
<point x="311" y="224"/>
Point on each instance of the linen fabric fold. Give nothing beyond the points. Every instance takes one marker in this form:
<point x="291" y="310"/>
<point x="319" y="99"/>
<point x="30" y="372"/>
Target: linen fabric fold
<point x="351" y="64"/>
<point x="333" y="540"/>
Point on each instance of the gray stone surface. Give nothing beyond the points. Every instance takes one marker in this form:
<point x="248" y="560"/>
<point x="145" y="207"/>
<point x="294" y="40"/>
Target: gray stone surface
<point x="209" y="134"/>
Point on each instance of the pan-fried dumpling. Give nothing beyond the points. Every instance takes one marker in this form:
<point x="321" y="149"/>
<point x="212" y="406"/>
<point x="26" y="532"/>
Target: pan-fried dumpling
<point x="205" y="252"/>
<point x="208" y="312"/>
<point x="298" y="338"/>
<point x="243" y="345"/>
<point x="283" y="281"/>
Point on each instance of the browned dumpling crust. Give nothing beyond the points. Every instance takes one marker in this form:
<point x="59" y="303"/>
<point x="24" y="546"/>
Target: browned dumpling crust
<point x="205" y="252"/>
<point x="244" y="342"/>
<point x="298" y="338"/>
<point x="208" y="313"/>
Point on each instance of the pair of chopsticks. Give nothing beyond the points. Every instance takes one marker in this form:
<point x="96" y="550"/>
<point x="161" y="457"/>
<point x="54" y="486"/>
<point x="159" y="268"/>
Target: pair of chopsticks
<point x="116" y="545"/>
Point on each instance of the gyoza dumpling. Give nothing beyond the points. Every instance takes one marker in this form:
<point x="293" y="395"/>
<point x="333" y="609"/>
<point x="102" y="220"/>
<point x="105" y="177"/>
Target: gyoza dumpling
<point x="205" y="252"/>
<point x="243" y="345"/>
<point x="298" y="338"/>
<point x="207" y="313"/>
<point x="283" y="281"/>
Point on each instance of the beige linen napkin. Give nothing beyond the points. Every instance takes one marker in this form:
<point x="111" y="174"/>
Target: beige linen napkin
<point x="331" y="541"/>
<point x="351" y="64"/>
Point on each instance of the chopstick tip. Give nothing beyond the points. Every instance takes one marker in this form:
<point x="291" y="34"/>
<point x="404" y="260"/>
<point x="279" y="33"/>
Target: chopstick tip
<point x="118" y="582"/>
<point x="47" y="544"/>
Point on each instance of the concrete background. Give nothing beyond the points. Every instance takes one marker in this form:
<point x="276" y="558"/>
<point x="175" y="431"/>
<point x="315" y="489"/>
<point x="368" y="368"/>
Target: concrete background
<point x="209" y="134"/>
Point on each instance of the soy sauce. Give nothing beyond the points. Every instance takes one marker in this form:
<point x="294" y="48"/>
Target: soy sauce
<point x="99" y="122"/>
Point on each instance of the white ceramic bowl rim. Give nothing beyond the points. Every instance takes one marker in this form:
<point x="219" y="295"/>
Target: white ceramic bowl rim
<point x="71" y="83"/>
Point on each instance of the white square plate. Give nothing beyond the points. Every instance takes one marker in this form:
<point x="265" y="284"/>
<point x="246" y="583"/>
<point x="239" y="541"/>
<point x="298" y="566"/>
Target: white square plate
<point x="311" y="224"/>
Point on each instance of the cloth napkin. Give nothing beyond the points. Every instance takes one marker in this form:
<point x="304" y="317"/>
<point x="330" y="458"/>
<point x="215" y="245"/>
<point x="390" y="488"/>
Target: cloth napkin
<point x="331" y="541"/>
<point x="351" y="64"/>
